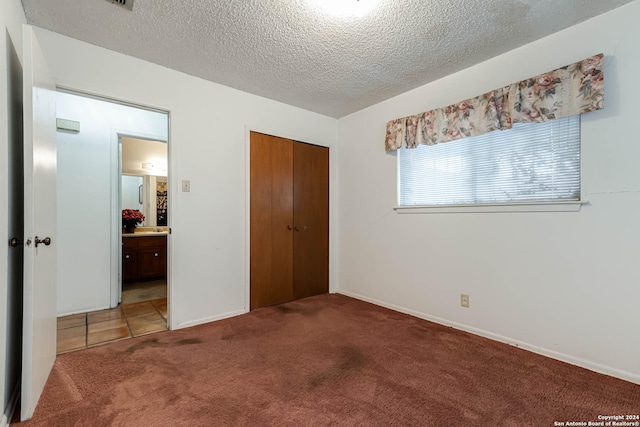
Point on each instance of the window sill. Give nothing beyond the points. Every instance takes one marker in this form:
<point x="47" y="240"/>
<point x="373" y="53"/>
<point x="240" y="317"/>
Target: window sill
<point x="568" y="206"/>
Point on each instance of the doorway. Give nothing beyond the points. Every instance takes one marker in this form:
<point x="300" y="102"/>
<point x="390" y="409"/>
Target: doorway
<point x="144" y="193"/>
<point x="101" y="153"/>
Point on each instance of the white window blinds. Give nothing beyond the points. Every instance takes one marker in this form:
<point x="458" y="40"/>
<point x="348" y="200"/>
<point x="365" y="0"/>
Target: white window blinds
<point x="531" y="162"/>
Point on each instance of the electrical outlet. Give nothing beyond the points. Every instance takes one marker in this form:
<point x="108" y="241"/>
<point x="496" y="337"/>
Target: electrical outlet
<point x="464" y="300"/>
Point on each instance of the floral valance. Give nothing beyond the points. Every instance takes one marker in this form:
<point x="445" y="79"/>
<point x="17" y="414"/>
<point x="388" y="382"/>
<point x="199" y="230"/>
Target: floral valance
<point x="574" y="89"/>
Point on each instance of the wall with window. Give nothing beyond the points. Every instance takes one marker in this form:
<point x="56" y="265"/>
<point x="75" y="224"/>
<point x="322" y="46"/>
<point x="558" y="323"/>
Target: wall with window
<point x="564" y="284"/>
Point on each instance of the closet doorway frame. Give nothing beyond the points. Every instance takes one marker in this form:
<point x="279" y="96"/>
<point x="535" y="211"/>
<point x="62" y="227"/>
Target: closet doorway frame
<point x="333" y="205"/>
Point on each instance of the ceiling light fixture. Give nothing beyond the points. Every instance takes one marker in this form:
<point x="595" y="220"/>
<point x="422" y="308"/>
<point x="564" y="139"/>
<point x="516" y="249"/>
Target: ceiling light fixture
<point x="155" y="166"/>
<point x="347" y="8"/>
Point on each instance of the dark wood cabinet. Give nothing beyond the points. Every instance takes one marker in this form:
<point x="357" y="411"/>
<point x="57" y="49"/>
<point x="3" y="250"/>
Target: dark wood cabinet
<point x="289" y="198"/>
<point x="129" y="265"/>
<point x="151" y="263"/>
<point x="144" y="258"/>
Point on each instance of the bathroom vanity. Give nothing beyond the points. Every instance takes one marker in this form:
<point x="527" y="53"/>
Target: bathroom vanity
<point x="144" y="256"/>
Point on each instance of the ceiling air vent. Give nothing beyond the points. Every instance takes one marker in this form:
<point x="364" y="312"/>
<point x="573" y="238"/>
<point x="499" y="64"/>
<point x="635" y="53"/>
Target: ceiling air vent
<point x="127" y="4"/>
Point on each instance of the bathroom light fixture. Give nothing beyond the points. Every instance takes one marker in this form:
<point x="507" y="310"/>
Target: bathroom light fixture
<point x="346" y="8"/>
<point x="156" y="167"/>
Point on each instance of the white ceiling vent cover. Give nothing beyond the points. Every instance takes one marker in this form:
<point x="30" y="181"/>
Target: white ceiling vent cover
<point x="127" y="4"/>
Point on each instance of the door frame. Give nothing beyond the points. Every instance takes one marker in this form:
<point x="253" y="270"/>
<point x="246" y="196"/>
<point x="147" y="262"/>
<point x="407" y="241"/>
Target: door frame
<point x="115" y="184"/>
<point x="333" y="203"/>
<point x="116" y="206"/>
<point x="12" y="149"/>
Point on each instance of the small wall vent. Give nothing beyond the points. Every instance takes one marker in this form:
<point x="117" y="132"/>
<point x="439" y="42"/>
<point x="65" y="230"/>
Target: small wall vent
<point x="127" y="4"/>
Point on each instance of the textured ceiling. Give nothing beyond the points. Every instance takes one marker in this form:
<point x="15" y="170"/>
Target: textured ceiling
<point x="292" y="51"/>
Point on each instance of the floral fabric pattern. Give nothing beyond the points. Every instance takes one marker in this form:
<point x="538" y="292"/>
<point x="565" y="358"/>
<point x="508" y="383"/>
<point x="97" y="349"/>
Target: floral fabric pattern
<point x="574" y="89"/>
<point x="395" y="134"/>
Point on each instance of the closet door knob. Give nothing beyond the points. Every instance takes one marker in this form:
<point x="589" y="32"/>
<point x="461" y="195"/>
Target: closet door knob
<point x="297" y="229"/>
<point x="289" y="228"/>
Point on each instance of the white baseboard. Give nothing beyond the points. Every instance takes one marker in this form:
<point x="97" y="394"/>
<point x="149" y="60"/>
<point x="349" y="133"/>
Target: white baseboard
<point x="596" y="367"/>
<point x="210" y="319"/>
<point x="11" y="407"/>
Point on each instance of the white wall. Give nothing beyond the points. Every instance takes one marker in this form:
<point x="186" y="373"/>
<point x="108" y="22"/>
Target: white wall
<point x="88" y="181"/>
<point x="207" y="146"/>
<point x="11" y="20"/>
<point x="563" y="284"/>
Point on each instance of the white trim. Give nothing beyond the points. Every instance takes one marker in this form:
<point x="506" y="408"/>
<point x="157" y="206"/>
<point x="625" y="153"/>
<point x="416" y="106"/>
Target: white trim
<point x="333" y="205"/>
<point x="116" y="241"/>
<point x="11" y="406"/>
<point x="247" y="215"/>
<point x="555" y="206"/>
<point x="210" y="319"/>
<point x="592" y="366"/>
<point x="172" y="191"/>
<point x="92" y="95"/>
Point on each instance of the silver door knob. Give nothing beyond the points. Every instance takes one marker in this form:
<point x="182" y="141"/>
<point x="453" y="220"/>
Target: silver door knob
<point x="15" y="242"/>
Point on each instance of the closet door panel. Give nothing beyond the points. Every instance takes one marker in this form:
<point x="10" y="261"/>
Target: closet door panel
<point x="282" y="220"/>
<point x="311" y="217"/>
<point x="271" y="210"/>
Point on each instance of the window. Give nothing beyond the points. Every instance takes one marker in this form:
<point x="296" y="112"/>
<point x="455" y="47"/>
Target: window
<point x="537" y="162"/>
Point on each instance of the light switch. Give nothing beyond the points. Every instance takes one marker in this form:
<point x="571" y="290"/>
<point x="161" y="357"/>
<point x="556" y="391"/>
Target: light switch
<point x="186" y="185"/>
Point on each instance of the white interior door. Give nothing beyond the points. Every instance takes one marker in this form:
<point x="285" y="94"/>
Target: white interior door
<point x="39" y="317"/>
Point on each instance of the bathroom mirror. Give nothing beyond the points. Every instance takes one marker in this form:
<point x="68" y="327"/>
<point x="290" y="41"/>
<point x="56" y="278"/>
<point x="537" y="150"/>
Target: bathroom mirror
<point x="148" y="194"/>
<point x="144" y="179"/>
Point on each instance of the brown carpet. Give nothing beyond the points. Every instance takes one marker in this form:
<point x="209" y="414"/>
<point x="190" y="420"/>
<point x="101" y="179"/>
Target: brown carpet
<point x="327" y="360"/>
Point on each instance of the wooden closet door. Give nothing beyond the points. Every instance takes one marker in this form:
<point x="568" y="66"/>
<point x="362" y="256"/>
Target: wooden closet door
<point x="311" y="217"/>
<point x="271" y="210"/>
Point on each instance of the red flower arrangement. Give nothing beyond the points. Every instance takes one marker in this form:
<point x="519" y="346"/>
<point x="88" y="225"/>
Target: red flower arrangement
<point x="131" y="218"/>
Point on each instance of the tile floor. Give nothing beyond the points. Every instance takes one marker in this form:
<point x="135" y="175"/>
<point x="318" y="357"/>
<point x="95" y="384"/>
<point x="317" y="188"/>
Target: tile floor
<point x="126" y="321"/>
<point x="144" y="291"/>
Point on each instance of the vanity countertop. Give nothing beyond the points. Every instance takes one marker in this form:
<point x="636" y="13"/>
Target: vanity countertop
<point x="145" y="234"/>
